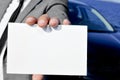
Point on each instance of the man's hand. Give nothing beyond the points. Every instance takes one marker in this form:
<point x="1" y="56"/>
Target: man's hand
<point x="43" y="21"/>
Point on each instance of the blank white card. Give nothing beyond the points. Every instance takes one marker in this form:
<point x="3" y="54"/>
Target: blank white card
<point x="32" y="50"/>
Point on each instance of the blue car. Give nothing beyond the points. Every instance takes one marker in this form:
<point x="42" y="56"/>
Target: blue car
<point x="103" y="41"/>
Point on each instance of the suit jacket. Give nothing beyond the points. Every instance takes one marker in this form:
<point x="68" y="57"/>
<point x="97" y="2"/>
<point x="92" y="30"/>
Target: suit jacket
<point x="54" y="8"/>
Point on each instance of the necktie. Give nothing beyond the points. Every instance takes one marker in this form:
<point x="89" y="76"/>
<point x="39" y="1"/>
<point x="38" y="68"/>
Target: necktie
<point x="12" y="19"/>
<point x="4" y="36"/>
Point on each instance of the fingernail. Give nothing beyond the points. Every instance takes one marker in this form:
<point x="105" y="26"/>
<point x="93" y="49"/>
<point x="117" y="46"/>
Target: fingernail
<point x="66" y="22"/>
<point x="41" y="22"/>
<point x="30" y="21"/>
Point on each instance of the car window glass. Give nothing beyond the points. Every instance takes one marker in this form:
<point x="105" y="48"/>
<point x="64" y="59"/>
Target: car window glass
<point x="81" y="16"/>
<point x="74" y="14"/>
<point x="102" y="19"/>
<point x="92" y="21"/>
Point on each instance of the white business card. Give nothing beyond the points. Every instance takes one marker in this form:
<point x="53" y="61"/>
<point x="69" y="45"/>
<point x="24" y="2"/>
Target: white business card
<point x="32" y="50"/>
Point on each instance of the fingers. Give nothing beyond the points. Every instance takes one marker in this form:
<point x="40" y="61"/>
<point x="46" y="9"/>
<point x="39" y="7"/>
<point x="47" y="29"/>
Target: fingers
<point x="53" y="22"/>
<point x="31" y="20"/>
<point x="43" y="20"/>
<point x="66" y="22"/>
<point x="37" y="77"/>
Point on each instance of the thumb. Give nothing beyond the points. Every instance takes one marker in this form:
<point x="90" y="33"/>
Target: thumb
<point x="37" y="77"/>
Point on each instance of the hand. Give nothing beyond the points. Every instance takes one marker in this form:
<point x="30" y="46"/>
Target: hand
<point x="45" y="20"/>
<point x="37" y="77"/>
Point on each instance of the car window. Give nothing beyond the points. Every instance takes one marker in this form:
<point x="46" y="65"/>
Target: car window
<point x="74" y="14"/>
<point x="83" y="16"/>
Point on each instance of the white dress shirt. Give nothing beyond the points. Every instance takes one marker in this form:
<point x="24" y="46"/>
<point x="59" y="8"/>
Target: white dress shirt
<point x="12" y="7"/>
<point x="9" y="12"/>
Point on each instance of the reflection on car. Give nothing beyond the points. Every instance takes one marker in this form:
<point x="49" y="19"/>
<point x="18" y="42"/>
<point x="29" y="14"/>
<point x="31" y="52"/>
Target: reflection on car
<point x="103" y="41"/>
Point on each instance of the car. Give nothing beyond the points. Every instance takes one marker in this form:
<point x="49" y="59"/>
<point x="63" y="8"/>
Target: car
<point x="103" y="41"/>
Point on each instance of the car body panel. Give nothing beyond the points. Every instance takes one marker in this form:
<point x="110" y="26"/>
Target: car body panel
<point x="103" y="45"/>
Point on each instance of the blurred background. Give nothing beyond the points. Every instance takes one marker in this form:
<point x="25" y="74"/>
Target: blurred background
<point x="103" y="36"/>
<point x="110" y="9"/>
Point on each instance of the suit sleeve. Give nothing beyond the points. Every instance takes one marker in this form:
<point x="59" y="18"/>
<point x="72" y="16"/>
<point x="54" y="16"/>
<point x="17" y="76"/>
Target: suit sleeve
<point x="58" y="8"/>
